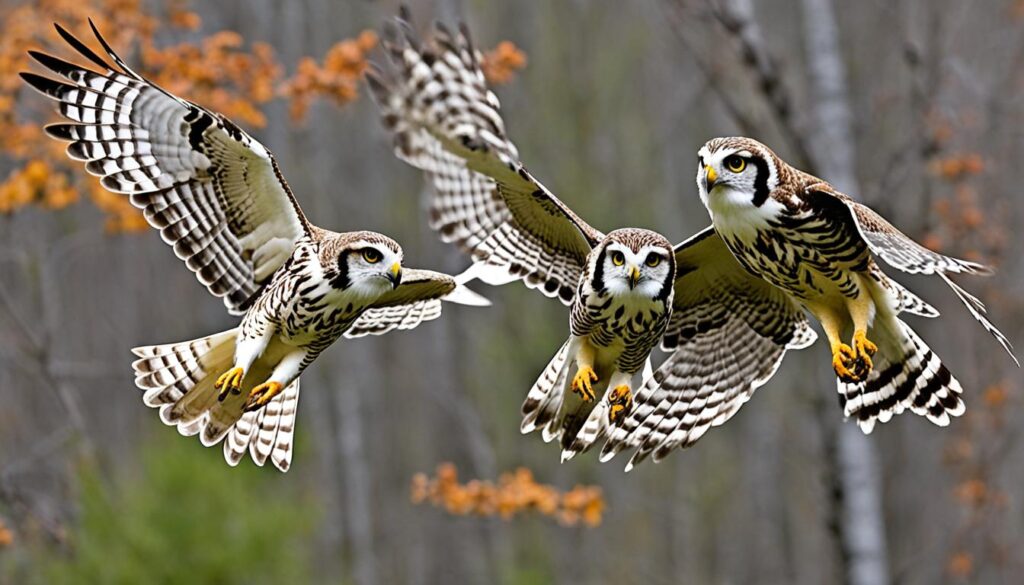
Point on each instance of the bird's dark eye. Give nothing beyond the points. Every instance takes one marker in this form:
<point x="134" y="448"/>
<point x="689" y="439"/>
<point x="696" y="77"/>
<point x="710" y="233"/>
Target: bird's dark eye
<point x="653" y="260"/>
<point x="618" y="258"/>
<point x="735" y="163"/>
<point x="372" y="255"/>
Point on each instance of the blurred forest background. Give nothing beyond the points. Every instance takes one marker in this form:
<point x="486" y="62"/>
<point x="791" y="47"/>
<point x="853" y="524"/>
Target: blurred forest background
<point x="914" y="106"/>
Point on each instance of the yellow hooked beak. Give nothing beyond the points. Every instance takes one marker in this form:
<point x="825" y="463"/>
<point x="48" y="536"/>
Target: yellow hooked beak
<point x="395" y="275"/>
<point x="710" y="176"/>
<point x="634" y="276"/>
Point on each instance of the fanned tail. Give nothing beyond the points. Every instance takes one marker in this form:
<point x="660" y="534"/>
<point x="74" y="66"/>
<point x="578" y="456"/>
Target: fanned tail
<point x="907" y="375"/>
<point x="178" y="379"/>
<point x="556" y="410"/>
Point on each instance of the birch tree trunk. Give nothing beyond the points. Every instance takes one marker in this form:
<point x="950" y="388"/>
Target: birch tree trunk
<point x="861" y="526"/>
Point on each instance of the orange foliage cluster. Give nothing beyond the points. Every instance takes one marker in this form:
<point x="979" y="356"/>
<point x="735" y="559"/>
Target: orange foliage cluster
<point x="337" y="79"/>
<point x="6" y="536"/>
<point x="957" y="167"/>
<point x="36" y="182"/>
<point x="501" y="63"/>
<point x="960" y="213"/>
<point x="515" y="493"/>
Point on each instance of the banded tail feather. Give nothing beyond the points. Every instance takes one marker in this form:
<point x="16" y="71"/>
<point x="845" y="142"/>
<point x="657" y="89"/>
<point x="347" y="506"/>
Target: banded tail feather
<point x="907" y="375"/>
<point x="553" y="407"/>
<point x="543" y="399"/>
<point x="178" y="379"/>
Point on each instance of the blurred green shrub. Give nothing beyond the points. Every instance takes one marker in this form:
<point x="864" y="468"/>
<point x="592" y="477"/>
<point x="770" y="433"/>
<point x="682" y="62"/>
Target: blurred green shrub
<point x="187" y="518"/>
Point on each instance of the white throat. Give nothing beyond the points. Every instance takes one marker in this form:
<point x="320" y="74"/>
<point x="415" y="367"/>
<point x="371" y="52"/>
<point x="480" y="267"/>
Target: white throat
<point x="733" y="212"/>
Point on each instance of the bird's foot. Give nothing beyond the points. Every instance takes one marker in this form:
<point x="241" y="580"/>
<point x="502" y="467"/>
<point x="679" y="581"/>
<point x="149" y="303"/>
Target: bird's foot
<point x="845" y="363"/>
<point x="621" y="401"/>
<point x="229" y="382"/>
<point x="262" y="394"/>
<point x="864" y="349"/>
<point x="583" y="383"/>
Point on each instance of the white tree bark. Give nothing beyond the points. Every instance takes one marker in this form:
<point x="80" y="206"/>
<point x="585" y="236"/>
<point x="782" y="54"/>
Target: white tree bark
<point x="861" y="525"/>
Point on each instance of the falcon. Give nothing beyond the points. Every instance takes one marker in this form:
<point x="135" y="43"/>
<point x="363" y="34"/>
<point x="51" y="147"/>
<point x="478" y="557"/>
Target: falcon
<point x="626" y="290"/>
<point x="816" y="248"/>
<point x="219" y="199"/>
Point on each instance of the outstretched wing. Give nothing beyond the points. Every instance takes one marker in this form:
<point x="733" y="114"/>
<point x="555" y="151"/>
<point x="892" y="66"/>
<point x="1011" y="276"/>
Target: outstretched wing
<point x="214" y="192"/>
<point x="728" y="334"/>
<point x="417" y="299"/>
<point x="903" y="253"/>
<point x="447" y="123"/>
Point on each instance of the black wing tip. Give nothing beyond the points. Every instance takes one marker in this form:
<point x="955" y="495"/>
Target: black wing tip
<point x="59" y="131"/>
<point x="44" y="85"/>
<point x="81" y="47"/>
<point x="54" y="64"/>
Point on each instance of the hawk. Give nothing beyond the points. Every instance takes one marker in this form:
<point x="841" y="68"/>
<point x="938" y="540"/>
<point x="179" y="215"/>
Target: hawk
<point x="816" y="248"/>
<point x="627" y="290"/>
<point x="219" y="199"/>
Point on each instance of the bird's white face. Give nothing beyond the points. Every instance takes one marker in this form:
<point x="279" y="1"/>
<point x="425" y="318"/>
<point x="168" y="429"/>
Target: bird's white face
<point x="643" y="274"/>
<point x="731" y="178"/>
<point x="372" y="268"/>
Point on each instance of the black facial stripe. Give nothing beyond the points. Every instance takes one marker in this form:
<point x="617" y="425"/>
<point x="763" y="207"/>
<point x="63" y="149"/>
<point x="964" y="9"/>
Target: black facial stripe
<point x="598" y="281"/>
<point x="760" y="180"/>
<point x="666" y="287"/>
<point x="341" y="280"/>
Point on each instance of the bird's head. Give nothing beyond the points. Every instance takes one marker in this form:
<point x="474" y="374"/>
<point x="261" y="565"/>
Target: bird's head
<point x="365" y="262"/>
<point x="634" y="262"/>
<point x="736" y="172"/>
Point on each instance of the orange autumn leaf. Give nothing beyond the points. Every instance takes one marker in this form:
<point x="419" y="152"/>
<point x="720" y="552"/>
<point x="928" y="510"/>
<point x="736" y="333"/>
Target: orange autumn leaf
<point x="972" y="492"/>
<point x="501" y="63"/>
<point x="6" y="536"/>
<point x="337" y="79"/>
<point x="960" y="565"/>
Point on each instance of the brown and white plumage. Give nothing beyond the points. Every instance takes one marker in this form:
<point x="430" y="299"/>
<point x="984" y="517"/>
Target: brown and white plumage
<point x="812" y="249"/>
<point x="446" y="122"/>
<point x="218" y="197"/>
<point x="728" y="334"/>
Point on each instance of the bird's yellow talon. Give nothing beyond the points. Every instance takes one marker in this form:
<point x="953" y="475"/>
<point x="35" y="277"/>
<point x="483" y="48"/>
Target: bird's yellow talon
<point x="863" y="349"/>
<point x="262" y="394"/>
<point x="583" y="382"/>
<point x="844" y="362"/>
<point x="229" y="381"/>
<point x="621" y="401"/>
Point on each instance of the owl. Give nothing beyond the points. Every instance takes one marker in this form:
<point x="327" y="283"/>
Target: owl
<point x="219" y="199"/>
<point x="816" y="248"/>
<point x="627" y="291"/>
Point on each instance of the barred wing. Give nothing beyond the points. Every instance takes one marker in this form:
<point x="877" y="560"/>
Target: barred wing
<point x="417" y="299"/>
<point x="728" y="334"/>
<point x="214" y="192"/>
<point x="901" y="252"/>
<point x="448" y="124"/>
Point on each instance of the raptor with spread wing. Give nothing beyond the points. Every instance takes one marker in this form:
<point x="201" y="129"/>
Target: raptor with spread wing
<point x="219" y="199"/>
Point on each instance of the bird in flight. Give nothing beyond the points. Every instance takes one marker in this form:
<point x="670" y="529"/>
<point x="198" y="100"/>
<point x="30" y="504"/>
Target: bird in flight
<point x="817" y="248"/>
<point x="219" y="199"/>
